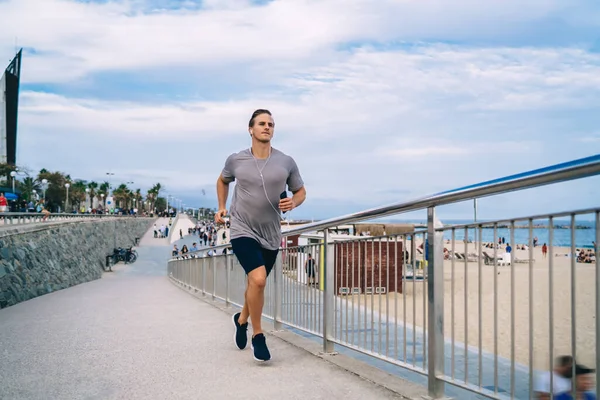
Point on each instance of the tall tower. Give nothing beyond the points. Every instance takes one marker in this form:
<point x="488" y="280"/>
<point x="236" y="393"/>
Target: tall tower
<point x="9" y="110"/>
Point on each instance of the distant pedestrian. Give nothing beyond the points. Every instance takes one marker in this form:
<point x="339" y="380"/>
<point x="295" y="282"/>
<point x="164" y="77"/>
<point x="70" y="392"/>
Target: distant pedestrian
<point x="180" y="234"/>
<point x="544" y="250"/>
<point x="309" y="267"/>
<point x="3" y="203"/>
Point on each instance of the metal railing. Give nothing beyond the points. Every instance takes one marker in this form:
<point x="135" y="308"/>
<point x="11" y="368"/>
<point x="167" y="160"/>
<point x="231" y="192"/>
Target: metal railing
<point x="20" y="218"/>
<point x="457" y="304"/>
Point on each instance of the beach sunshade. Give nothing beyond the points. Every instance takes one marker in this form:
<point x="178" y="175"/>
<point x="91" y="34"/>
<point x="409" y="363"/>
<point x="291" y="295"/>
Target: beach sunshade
<point x="11" y="196"/>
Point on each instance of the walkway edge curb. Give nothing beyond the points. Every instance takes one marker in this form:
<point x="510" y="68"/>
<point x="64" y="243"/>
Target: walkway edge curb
<point x="403" y="388"/>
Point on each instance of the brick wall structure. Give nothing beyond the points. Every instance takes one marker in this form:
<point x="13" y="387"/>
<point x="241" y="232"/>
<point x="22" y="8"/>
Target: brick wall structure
<point x="367" y="265"/>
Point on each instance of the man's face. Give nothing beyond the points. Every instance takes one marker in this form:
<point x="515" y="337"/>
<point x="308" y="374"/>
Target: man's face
<point x="263" y="128"/>
<point x="585" y="382"/>
<point x="566" y="371"/>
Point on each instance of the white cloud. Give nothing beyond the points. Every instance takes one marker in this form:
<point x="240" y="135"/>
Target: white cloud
<point x="593" y="138"/>
<point x="420" y="115"/>
<point x="79" y="38"/>
<point x="382" y="92"/>
<point x="423" y="149"/>
<point x="426" y="147"/>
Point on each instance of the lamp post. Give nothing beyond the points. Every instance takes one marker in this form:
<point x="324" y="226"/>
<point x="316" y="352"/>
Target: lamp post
<point x="67" y="185"/>
<point x="109" y="174"/>
<point x="13" y="174"/>
<point x="87" y="196"/>
<point x="44" y="187"/>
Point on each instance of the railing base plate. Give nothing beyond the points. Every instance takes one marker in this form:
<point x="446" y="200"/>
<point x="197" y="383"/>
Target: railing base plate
<point x="332" y="353"/>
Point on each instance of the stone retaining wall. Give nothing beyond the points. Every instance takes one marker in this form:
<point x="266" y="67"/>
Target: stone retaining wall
<point x="45" y="257"/>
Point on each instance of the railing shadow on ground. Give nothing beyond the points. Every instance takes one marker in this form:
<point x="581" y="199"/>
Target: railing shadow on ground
<point x="455" y="304"/>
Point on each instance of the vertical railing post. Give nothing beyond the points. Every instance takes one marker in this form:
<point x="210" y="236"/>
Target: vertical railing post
<point x="214" y="267"/>
<point x="228" y="261"/>
<point x="278" y="277"/>
<point x="435" y="305"/>
<point x="597" y="308"/>
<point x="329" y="293"/>
<point x="204" y="277"/>
<point x="196" y="273"/>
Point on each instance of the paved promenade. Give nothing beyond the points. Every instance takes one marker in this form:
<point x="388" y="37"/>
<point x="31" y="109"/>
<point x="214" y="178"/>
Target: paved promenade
<point x="134" y="335"/>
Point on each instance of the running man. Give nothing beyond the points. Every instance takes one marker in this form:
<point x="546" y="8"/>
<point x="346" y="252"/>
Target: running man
<point x="262" y="174"/>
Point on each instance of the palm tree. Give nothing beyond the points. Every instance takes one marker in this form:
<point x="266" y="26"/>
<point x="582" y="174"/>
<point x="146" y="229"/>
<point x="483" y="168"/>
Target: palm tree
<point x="103" y="189"/>
<point x="138" y="198"/>
<point x="93" y="186"/>
<point x="122" y="195"/>
<point x="152" y="195"/>
<point x="155" y="193"/>
<point x="77" y="193"/>
<point x="28" y="185"/>
<point x="157" y="187"/>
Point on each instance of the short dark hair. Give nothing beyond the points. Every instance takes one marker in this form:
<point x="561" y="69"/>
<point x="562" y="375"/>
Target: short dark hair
<point x="255" y="114"/>
<point x="564" y="361"/>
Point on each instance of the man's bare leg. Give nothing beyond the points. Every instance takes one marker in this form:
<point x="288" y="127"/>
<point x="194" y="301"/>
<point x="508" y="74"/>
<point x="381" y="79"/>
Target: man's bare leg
<point x="255" y="299"/>
<point x="245" y="314"/>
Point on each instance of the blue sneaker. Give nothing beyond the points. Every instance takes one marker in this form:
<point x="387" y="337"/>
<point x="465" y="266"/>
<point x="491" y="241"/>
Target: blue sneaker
<point x="240" y="336"/>
<point x="259" y="345"/>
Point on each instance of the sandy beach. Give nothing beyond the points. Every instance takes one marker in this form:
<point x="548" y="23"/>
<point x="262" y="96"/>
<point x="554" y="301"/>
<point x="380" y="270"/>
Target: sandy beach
<point x="467" y="290"/>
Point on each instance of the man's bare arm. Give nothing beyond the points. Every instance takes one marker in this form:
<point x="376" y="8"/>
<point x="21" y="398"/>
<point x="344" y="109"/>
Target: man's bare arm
<point x="222" y="192"/>
<point x="299" y="196"/>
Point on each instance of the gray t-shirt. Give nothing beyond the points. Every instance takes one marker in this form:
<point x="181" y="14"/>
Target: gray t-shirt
<point x="252" y="214"/>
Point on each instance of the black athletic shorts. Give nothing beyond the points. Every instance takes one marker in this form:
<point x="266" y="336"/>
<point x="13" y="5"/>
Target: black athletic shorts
<point x="251" y="255"/>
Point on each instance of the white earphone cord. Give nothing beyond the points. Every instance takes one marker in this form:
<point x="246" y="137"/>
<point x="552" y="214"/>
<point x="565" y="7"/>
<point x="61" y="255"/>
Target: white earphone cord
<point x="263" y="182"/>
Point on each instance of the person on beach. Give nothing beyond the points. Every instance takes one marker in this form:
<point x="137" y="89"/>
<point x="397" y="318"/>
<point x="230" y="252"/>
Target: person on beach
<point x="584" y="385"/>
<point x="544" y="250"/>
<point x="262" y="174"/>
<point x="561" y="379"/>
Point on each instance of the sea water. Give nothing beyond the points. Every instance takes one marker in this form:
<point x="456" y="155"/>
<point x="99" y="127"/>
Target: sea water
<point x="584" y="236"/>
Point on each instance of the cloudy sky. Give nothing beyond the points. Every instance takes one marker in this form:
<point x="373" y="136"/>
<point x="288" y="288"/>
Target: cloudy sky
<point x="378" y="101"/>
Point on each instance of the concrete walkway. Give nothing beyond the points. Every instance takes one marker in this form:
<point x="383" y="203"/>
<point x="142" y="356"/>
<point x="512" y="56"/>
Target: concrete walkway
<point x="183" y="223"/>
<point x="134" y="335"/>
<point x="149" y="240"/>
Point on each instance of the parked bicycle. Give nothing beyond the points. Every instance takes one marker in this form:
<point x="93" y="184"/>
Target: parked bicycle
<point x="127" y="255"/>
